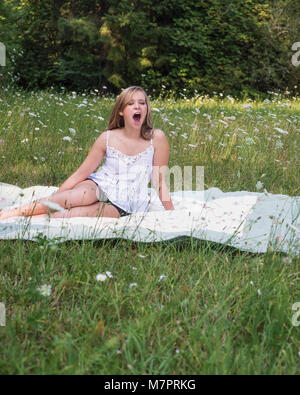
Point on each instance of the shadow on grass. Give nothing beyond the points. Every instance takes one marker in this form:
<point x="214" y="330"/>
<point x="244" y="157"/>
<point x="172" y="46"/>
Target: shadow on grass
<point x="178" y="244"/>
<point x="181" y="244"/>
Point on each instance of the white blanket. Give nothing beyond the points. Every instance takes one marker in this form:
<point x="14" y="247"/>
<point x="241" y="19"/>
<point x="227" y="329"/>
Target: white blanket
<point x="249" y="221"/>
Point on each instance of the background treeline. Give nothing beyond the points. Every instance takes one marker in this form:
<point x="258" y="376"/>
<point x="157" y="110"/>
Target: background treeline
<point x="230" y="46"/>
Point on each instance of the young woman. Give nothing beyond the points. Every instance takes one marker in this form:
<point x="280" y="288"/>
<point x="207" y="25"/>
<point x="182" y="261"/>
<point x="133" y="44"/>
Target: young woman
<point x="134" y="153"/>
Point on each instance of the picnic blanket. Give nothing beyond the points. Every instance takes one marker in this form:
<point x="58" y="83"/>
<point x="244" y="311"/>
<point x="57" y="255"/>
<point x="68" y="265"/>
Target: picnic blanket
<point x="250" y="221"/>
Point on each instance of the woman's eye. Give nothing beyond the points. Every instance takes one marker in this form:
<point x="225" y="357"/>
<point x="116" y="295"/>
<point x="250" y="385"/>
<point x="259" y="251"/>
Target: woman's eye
<point x="142" y="103"/>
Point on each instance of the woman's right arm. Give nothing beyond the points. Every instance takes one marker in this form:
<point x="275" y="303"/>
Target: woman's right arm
<point x="160" y="164"/>
<point x="91" y="162"/>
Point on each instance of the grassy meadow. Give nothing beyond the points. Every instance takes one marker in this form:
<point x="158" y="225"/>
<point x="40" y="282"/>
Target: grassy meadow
<point x="178" y="307"/>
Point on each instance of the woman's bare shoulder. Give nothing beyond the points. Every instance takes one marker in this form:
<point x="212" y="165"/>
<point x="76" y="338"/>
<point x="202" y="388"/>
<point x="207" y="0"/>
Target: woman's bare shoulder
<point x="101" y="140"/>
<point x="158" y="134"/>
<point x="159" y="137"/>
<point x="102" y="136"/>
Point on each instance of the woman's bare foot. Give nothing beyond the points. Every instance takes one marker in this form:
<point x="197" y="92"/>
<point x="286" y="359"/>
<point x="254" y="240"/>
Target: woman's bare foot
<point x="8" y="213"/>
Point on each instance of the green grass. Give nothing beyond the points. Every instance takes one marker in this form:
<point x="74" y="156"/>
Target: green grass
<point x="215" y="310"/>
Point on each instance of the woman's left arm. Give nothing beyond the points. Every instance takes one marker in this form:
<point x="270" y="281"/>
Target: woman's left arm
<point x="160" y="165"/>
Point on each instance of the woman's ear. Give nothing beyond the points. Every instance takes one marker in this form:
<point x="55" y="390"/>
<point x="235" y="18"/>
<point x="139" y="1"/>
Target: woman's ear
<point x="121" y="113"/>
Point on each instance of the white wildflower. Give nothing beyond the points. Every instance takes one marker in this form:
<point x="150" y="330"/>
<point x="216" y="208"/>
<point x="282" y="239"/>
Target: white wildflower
<point x="132" y="285"/>
<point x="281" y="131"/>
<point x="155" y="109"/>
<point x="101" y="277"/>
<point x="67" y="138"/>
<point x="45" y="290"/>
<point x="287" y="260"/>
<point x="249" y="140"/>
<point x="162" y="277"/>
<point x="259" y="292"/>
<point x="231" y="118"/>
<point x="109" y="274"/>
<point x="72" y="131"/>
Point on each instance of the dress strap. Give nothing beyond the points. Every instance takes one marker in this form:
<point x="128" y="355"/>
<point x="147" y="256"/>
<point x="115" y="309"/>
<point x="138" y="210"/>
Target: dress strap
<point x="107" y="136"/>
<point x="151" y="135"/>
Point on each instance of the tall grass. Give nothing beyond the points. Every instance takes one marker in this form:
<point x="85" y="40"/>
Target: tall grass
<point x="179" y="307"/>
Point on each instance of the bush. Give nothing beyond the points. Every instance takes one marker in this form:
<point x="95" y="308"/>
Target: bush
<point x="10" y="37"/>
<point x="179" y="45"/>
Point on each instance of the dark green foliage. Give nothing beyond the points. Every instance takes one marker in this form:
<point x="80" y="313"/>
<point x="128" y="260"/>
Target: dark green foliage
<point x="10" y="37"/>
<point x="233" y="46"/>
<point x="81" y="61"/>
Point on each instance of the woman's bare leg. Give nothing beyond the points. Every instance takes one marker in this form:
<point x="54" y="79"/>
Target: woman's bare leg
<point x="83" y="194"/>
<point x="98" y="209"/>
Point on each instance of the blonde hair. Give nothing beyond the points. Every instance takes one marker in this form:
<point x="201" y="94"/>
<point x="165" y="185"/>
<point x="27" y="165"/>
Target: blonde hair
<point x="117" y="121"/>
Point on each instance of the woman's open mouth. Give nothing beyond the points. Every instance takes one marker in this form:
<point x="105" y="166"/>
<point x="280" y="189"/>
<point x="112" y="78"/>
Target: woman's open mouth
<point x="137" y="117"/>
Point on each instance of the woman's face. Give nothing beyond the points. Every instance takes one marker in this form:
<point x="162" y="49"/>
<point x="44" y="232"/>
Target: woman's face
<point x="135" y="111"/>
